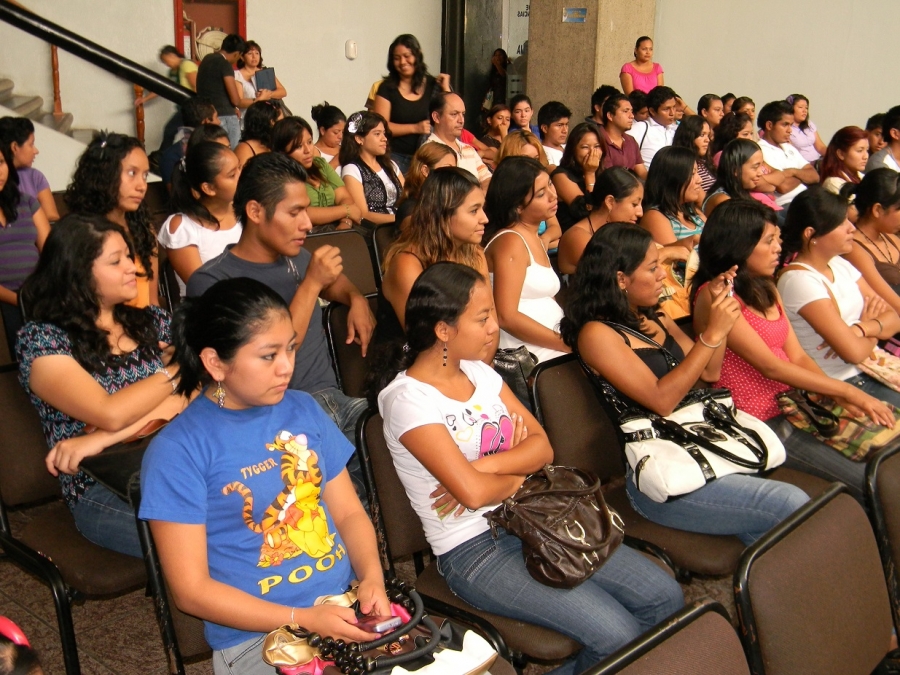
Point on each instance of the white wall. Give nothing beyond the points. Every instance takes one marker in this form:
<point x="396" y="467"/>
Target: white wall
<point x="304" y="41"/>
<point x="135" y="30"/>
<point x="831" y="52"/>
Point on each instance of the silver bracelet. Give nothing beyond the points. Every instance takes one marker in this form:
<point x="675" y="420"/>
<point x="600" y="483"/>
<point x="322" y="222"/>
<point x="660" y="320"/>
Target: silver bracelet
<point x="169" y="377"/>
<point x="880" y="326"/>
<point x="706" y="344"/>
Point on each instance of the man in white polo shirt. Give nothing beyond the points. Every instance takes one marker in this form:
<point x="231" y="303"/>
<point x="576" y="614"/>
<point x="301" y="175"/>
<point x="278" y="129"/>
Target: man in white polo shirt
<point x="889" y="155"/>
<point x="658" y="130"/>
<point x="775" y="120"/>
<point x="448" y="115"/>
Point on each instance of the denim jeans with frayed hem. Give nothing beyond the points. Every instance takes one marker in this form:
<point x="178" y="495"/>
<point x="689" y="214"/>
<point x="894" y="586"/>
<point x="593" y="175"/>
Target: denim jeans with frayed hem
<point x="627" y="596"/>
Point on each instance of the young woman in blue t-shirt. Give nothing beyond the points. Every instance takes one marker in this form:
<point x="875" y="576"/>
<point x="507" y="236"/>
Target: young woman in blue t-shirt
<point x="249" y="501"/>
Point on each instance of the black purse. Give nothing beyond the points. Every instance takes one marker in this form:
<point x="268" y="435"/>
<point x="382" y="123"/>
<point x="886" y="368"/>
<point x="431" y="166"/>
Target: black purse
<point x="515" y="367"/>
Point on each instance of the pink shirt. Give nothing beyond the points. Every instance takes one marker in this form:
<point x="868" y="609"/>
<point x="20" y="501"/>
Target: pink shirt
<point x="643" y="81"/>
<point x="751" y="391"/>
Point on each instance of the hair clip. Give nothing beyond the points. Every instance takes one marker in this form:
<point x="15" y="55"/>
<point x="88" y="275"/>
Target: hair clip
<point x="851" y="198"/>
<point x="182" y="164"/>
<point x="10" y="630"/>
<point x="406" y="348"/>
<point x="354" y="122"/>
<point x="790" y="99"/>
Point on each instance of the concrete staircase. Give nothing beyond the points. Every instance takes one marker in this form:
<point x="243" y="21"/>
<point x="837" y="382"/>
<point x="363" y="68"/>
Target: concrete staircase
<point x="32" y="107"/>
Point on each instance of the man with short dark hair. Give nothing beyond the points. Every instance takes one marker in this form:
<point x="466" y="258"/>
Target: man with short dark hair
<point x="598" y="98"/>
<point x="448" y="116"/>
<point x="775" y="121"/>
<point x="215" y="81"/>
<point x="271" y="202"/>
<point x="659" y="129"/>
<point x="553" y="122"/>
<point x="621" y="149"/>
<point x="889" y="155"/>
<point x="873" y="129"/>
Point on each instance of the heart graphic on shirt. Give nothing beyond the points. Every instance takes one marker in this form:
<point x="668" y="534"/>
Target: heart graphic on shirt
<point x="464" y="435"/>
<point x="468" y="417"/>
<point x="496" y="436"/>
<point x="451" y="421"/>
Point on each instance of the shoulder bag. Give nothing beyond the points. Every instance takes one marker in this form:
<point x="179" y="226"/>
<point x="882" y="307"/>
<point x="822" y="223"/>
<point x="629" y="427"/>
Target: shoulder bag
<point x="515" y="365"/>
<point x="704" y="438"/>
<point x="566" y="528"/>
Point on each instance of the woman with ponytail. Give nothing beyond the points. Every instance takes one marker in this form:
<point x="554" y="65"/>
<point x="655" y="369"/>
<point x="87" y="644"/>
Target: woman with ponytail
<point x="836" y="315"/>
<point x="456" y="466"/>
<point x="204" y="223"/>
<point x="876" y="246"/>
<point x="89" y="359"/>
<point x="248" y="439"/>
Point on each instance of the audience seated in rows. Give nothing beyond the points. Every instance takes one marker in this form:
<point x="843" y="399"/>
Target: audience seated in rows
<point x="621" y="148"/>
<point x="271" y="202"/>
<point x="804" y="132"/>
<point x="577" y="172"/>
<point x="23" y="231"/>
<point x="110" y="180"/>
<point x="210" y="555"/>
<point x="497" y="123"/>
<point x="671" y="195"/>
<point x="89" y="358"/>
<point x="873" y="129"/>
<point x="733" y="125"/>
<point x="553" y="122"/>
<point x="256" y="137"/>
<point x="775" y="123"/>
<point x="520" y="197"/>
<point x="203" y="224"/>
<point x="330" y="123"/>
<point x="429" y="157"/>
<point x="694" y="134"/>
<point x="521" y="111"/>
<point x="711" y="108"/>
<point x="618" y="281"/>
<point x="845" y="159"/>
<point x="420" y="391"/>
<point x="764" y="356"/>
<point x="616" y="198"/>
<point x="658" y="130"/>
<point x="448" y="226"/>
<point x="17" y="134"/>
<point x="448" y="115"/>
<point x="740" y="175"/>
<point x="890" y="133"/>
<point x="331" y="206"/>
<point x="372" y="178"/>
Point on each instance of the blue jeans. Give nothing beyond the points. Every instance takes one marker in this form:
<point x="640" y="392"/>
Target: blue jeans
<point x="242" y="659"/>
<point x="741" y="505"/>
<point x="624" y="598"/>
<point x="403" y="161"/>
<point x="345" y="412"/>
<point x="231" y="124"/>
<point x="106" y="520"/>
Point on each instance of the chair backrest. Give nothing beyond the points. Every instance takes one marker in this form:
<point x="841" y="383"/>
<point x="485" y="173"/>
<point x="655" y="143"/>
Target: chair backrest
<point x="169" y="290"/>
<point x="350" y="366"/>
<point x="699" y="639"/>
<point x="157" y="202"/>
<point x="382" y="238"/>
<point x="883" y="496"/>
<point x="59" y="198"/>
<point x="811" y="593"/>
<point x="579" y="430"/>
<point x="355" y="254"/>
<point x="24" y="478"/>
<point x="391" y="511"/>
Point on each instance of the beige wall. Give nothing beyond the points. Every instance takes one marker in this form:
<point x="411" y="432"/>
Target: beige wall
<point x="302" y="39"/>
<point x="567" y="61"/>
<point x="829" y="51"/>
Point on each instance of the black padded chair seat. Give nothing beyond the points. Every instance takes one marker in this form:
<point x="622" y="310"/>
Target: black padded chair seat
<point x="701" y="553"/>
<point x="85" y="566"/>
<point x="539" y="643"/>
<point x="811" y="485"/>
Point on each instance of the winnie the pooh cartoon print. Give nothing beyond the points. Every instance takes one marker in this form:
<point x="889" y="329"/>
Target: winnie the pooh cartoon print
<point x="295" y="521"/>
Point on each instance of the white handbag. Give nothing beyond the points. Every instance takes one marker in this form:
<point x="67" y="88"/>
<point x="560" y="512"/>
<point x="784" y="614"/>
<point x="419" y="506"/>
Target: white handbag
<point x="705" y="438"/>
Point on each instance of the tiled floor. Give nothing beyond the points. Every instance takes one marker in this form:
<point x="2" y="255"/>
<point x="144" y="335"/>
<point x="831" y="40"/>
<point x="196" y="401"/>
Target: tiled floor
<point x="120" y="635"/>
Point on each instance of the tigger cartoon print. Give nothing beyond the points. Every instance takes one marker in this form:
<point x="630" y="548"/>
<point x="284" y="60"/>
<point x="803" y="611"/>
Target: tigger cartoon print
<point x="295" y="521"/>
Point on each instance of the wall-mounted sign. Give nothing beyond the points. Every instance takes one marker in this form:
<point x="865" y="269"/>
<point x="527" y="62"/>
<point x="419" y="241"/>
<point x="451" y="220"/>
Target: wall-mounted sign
<point x="574" y="14"/>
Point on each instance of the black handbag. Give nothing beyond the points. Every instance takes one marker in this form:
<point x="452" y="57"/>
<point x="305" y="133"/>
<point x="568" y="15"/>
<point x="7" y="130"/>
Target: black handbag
<point x="515" y="367"/>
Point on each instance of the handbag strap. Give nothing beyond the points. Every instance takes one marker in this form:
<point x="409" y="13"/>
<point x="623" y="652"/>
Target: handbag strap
<point x="671" y="361"/>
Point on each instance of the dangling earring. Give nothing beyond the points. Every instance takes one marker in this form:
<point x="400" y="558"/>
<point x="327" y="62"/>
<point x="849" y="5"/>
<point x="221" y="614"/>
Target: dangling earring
<point x="445" y="355"/>
<point x="220" y="394"/>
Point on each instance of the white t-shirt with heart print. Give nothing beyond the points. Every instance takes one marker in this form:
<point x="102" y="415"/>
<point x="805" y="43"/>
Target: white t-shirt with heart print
<point x="480" y="426"/>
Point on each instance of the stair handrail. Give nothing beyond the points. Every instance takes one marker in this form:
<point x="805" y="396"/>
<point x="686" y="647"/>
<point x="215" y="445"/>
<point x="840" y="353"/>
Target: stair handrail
<point x="33" y="24"/>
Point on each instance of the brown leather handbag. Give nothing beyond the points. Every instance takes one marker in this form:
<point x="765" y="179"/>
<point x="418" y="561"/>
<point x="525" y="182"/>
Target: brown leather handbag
<point x="566" y="528"/>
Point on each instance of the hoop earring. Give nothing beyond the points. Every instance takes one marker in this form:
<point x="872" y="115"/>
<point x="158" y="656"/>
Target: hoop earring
<point x="220" y="394"/>
<point x="445" y="355"/>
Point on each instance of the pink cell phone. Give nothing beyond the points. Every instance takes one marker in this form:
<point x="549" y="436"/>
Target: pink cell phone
<point x="378" y="624"/>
